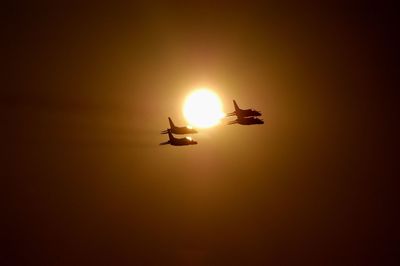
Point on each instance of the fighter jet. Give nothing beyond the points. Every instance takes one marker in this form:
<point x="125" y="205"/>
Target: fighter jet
<point x="178" y="142"/>
<point x="243" y="112"/>
<point x="246" y="121"/>
<point x="179" y="130"/>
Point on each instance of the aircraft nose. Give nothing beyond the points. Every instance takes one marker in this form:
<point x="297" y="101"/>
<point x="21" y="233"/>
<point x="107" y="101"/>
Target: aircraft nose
<point x="194" y="142"/>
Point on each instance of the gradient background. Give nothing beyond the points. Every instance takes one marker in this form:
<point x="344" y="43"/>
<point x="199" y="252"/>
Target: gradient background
<point x="88" y="88"/>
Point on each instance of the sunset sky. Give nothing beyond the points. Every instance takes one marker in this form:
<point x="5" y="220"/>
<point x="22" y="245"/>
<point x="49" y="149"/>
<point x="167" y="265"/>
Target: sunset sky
<point x="88" y="88"/>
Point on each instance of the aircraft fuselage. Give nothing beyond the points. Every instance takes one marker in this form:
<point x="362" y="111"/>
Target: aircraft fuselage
<point x="247" y="121"/>
<point x="183" y="130"/>
<point x="183" y="142"/>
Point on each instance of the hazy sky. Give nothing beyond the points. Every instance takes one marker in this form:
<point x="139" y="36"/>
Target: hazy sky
<point x="88" y="88"/>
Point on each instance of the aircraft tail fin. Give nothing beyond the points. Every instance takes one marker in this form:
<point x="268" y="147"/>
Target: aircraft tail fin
<point x="170" y="135"/>
<point x="236" y="105"/>
<point x="171" y="124"/>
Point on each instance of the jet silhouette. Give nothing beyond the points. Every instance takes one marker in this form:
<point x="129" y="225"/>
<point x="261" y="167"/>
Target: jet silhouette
<point x="178" y="142"/>
<point x="178" y="130"/>
<point x="243" y="112"/>
<point x="246" y="121"/>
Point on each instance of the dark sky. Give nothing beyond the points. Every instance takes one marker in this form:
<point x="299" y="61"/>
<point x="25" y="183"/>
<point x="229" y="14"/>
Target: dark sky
<point x="88" y="88"/>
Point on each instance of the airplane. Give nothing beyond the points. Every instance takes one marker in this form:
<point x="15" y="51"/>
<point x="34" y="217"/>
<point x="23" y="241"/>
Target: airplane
<point x="178" y="142"/>
<point x="243" y="112"/>
<point x="178" y="130"/>
<point x="246" y="121"/>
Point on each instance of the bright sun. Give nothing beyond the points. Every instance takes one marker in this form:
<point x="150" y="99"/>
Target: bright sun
<point x="203" y="109"/>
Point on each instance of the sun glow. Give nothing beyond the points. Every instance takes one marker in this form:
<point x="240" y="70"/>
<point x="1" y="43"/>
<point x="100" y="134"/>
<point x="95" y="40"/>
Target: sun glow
<point x="203" y="109"/>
